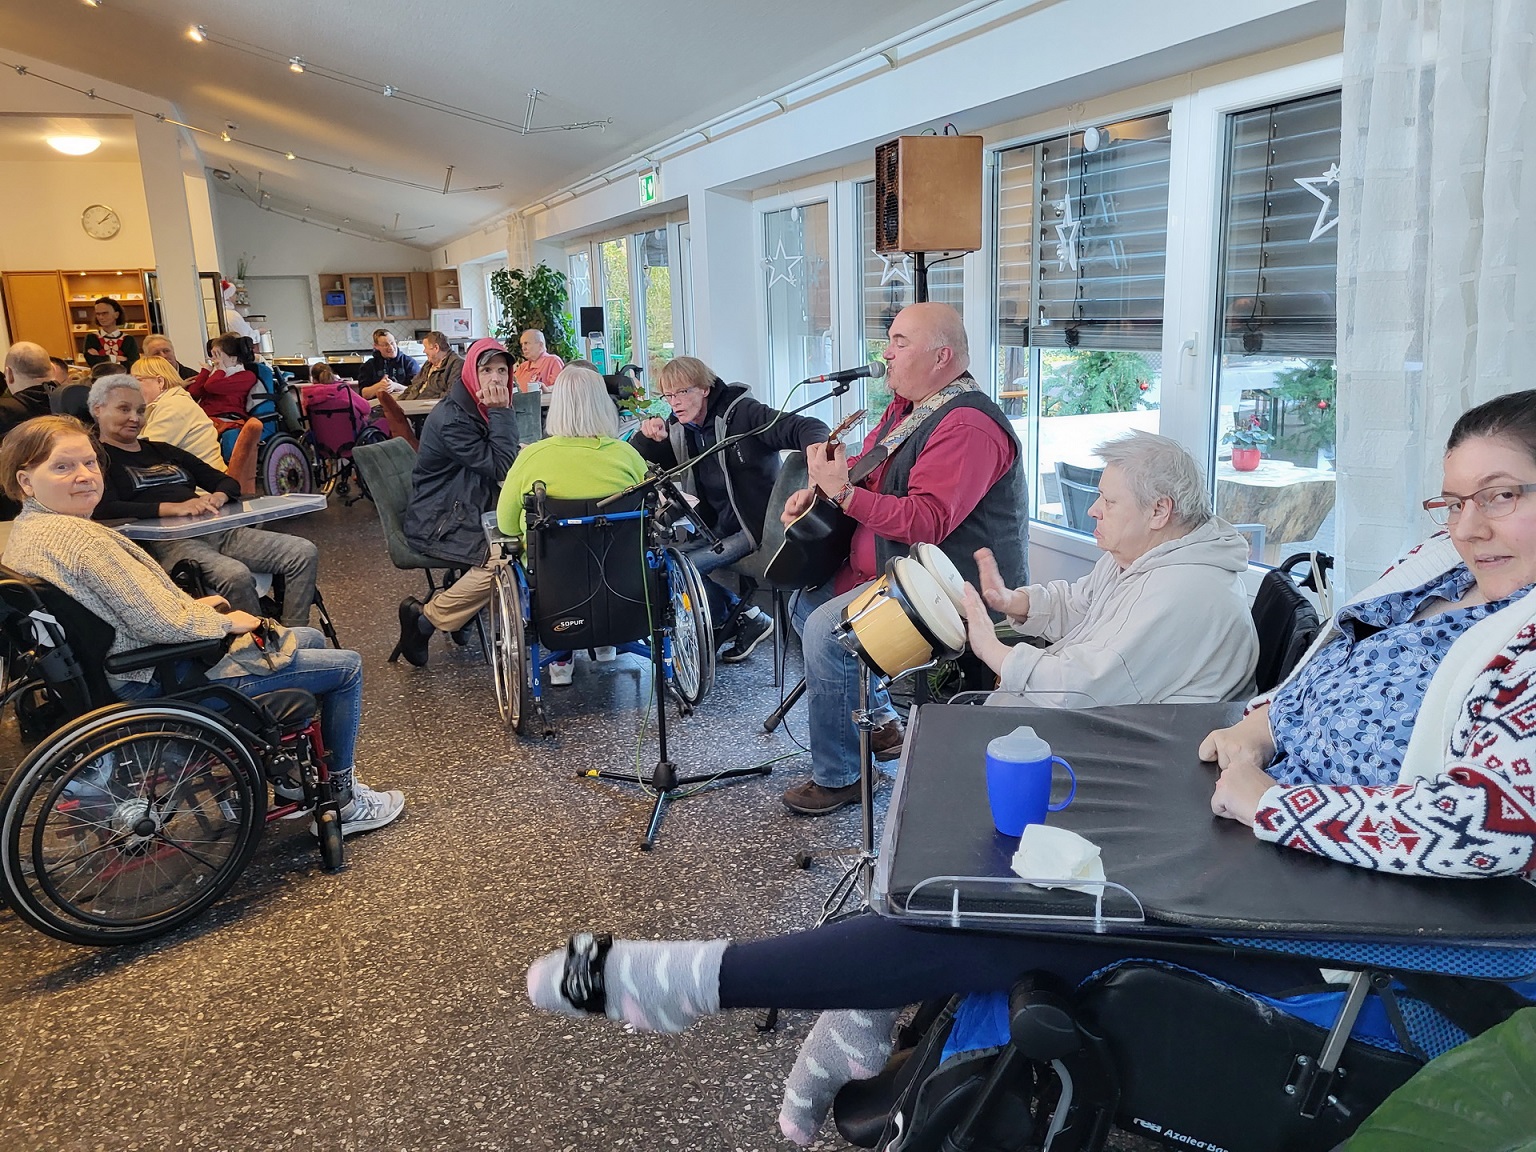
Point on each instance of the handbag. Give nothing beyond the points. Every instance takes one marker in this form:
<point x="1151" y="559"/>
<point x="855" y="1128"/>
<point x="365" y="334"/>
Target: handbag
<point x="267" y="649"/>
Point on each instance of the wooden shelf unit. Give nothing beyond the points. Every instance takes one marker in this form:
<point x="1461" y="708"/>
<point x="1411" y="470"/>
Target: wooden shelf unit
<point x="55" y="308"/>
<point x="445" y="288"/>
<point x="374" y="297"/>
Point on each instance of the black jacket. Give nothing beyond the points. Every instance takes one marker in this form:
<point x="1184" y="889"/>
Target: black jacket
<point x="459" y="472"/>
<point x="751" y="465"/>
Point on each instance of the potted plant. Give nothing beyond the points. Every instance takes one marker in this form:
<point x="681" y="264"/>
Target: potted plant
<point x="534" y="299"/>
<point x="1247" y="437"/>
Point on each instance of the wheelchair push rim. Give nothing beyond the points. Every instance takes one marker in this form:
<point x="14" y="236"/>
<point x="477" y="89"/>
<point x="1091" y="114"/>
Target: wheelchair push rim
<point x="129" y="823"/>
<point x="693" y="648"/>
<point x="510" y="665"/>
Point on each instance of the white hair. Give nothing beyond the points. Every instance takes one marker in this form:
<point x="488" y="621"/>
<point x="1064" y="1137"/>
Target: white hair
<point x="1155" y="466"/>
<point x="581" y="406"/>
<point x="101" y="390"/>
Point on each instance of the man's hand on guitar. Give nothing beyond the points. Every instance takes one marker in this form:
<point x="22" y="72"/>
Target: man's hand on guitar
<point x="1000" y="597"/>
<point x="828" y="469"/>
<point x="797" y="504"/>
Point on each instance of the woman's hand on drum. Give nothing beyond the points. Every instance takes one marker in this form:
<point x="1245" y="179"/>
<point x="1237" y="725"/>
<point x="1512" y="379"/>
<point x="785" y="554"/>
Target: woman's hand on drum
<point x="999" y="597"/>
<point x="797" y="505"/>
<point x="653" y="428"/>
<point x="980" y="633"/>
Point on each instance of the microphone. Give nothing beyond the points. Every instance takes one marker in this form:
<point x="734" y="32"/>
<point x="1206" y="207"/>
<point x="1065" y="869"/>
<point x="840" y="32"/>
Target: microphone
<point x="873" y="371"/>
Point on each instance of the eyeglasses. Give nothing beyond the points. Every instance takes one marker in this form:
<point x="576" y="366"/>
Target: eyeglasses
<point x="671" y="397"/>
<point x="1495" y="503"/>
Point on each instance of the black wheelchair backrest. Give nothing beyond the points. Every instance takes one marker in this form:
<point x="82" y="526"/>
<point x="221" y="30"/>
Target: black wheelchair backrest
<point x="590" y="580"/>
<point x="1287" y="624"/>
<point x="70" y="641"/>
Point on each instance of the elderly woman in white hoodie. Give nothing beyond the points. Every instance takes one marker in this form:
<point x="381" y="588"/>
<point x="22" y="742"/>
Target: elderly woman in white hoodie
<point x="1163" y="618"/>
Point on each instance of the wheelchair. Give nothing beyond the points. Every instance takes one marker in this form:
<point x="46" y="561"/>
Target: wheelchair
<point x="331" y="431"/>
<point x="1173" y="1055"/>
<point x="587" y="576"/>
<point x="271" y="587"/>
<point x="127" y="819"/>
<point x="283" y="465"/>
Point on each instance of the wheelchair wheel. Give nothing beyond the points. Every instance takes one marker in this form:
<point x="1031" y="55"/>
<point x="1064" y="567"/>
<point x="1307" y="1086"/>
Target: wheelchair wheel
<point x="129" y="823"/>
<point x="511" y="669"/>
<point x="285" y="467"/>
<point x="693" y="648"/>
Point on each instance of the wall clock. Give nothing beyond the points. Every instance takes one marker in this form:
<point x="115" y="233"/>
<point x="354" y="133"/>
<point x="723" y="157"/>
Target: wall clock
<point x="100" y="222"/>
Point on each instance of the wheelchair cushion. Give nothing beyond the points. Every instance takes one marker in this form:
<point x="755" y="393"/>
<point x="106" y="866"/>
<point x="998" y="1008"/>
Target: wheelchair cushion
<point x="291" y="709"/>
<point x="1204" y="1062"/>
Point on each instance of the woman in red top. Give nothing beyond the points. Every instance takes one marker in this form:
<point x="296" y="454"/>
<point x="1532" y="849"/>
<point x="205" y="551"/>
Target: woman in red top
<point x="222" y="389"/>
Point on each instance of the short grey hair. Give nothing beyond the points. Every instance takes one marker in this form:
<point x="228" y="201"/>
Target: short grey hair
<point x="1155" y="466"/>
<point x="581" y="406"/>
<point x="30" y="362"/>
<point x="102" y="389"/>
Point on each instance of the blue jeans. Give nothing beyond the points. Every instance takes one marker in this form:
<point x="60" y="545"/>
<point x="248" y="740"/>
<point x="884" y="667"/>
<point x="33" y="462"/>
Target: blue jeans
<point x="333" y="675"/>
<point x="832" y="686"/>
<point x="721" y="599"/>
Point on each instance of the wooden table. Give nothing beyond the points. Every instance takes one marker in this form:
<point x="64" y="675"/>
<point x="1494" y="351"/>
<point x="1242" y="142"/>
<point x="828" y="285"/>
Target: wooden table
<point x="417" y="409"/>
<point x="1291" y="502"/>
<point x="235" y="514"/>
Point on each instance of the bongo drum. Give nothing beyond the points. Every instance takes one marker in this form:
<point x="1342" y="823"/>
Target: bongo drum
<point x="903" y="620"/>
<point x="942" y="569"/>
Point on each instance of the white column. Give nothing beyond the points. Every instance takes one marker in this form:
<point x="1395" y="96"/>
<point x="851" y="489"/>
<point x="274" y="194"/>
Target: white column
<point x="170" y="230"/>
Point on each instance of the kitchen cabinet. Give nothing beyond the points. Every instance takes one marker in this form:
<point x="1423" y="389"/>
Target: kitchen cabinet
<point x="377" y="297"/>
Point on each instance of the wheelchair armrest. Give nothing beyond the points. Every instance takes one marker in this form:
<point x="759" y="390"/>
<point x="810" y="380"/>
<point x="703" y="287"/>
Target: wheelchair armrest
<point x="157" y="655"/>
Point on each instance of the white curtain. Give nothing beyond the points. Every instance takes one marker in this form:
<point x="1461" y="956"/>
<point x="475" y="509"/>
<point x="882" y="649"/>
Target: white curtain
<point x="1437" y="249"/>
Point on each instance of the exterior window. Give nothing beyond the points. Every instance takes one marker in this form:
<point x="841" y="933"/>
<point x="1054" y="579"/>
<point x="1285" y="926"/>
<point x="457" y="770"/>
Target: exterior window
<point x="617" y="316"/>
<point x="1082" y="225"/>
<point x="796" y="255"/>
<point x="656" y="286"/>
<point x="1275" y="386"/>
<point x="886" y="286"/>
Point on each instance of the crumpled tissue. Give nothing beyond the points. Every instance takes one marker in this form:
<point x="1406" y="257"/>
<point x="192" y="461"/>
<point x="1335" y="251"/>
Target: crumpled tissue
<point x="1056" y="854"/>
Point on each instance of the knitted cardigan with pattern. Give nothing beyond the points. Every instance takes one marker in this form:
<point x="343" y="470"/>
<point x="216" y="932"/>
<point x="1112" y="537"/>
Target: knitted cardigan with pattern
<point x="1464" y="803"/>
<point x="113" y="577"/>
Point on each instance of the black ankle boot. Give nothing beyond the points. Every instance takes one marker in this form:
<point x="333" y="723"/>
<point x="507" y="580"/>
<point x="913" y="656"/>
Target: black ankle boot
<point x="414" y="643"/>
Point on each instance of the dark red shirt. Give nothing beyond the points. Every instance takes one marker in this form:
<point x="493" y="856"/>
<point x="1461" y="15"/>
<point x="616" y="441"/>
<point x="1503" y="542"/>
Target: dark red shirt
<point x="965" y="456"/>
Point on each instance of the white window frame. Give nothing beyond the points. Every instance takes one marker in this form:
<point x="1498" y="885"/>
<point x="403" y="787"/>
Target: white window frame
<point x="801" y="197"/>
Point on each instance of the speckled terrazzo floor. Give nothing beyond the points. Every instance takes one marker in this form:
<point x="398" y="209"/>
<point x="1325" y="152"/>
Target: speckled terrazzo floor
<point x="383" y="1008"/>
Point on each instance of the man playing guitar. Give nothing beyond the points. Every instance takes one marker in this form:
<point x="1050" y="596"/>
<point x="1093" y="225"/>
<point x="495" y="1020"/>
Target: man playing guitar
<point x="947" y="470"/>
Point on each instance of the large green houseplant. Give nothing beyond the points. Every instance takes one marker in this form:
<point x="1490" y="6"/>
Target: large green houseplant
<point x="535" y="299"/>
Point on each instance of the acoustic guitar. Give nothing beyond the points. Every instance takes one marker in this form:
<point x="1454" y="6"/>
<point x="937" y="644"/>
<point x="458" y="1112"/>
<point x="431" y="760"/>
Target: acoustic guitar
<point x="817" y="541"/>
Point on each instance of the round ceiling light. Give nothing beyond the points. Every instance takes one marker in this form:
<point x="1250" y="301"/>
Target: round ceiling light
<point x="74" y="145"/>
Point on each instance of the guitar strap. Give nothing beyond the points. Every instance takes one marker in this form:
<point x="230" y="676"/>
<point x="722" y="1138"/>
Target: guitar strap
<point x="893" y="439"/>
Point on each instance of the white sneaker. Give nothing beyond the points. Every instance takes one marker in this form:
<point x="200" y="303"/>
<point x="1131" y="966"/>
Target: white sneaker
<point x="368" y="809"/>
<point x="561" y="671"/>
<point x="605" y="653"/>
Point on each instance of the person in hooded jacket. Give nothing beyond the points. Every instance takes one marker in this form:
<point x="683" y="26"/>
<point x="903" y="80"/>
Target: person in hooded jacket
<point x="467" y="447"/>
<point x="1162" y="618"/>
<point x="732" y="487"/>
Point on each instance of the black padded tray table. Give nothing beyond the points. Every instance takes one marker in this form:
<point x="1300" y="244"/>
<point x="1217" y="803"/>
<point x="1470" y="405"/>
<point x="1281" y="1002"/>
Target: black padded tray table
<point x="1143" y="797"/>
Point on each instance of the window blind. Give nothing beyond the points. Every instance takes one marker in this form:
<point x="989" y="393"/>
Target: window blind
<point x="1280" y="237"/>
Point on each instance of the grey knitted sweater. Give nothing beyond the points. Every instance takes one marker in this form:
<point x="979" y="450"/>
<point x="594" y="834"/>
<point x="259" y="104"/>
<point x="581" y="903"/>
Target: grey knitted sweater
<point x="113" y="577"/>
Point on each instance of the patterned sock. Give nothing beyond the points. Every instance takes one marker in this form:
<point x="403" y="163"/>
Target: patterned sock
<point x="845" y="1044"/>
<point x="655" y="985"/>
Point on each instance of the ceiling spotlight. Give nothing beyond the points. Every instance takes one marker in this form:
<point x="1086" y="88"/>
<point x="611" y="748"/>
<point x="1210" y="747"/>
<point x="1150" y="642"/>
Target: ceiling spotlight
<point x="197" y="33"/>
<point x="224" y="136"/>
<point x="289" y="155"/>
<point x="94" y="3"/>
<point x="295" y="63"/>
<point x="74" y="145"/>
<point x="389" y="89"/>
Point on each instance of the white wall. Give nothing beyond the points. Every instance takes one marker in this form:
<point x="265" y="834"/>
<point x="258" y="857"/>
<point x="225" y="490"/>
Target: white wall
<point x="41" y="202"/>
<point x="276" y="245"/>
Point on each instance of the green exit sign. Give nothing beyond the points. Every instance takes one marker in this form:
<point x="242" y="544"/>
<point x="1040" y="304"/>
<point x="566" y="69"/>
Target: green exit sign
<point x="648" y="187"/>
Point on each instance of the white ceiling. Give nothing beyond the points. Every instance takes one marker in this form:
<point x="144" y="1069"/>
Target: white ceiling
<point x="653" y="68"/>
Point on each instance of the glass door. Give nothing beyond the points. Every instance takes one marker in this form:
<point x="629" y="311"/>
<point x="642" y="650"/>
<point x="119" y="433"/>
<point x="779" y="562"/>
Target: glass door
<point x="656" y="299"/>
<point x="618" y="316"/>
<point x="797" y="276"/>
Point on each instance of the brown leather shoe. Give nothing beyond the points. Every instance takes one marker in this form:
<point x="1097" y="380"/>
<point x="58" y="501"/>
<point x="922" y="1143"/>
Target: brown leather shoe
<point x="809" y="798"/>
<point x="885" y="741"/>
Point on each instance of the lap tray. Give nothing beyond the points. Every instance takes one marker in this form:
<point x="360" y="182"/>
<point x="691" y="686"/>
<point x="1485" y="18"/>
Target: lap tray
<point x="1143" y="797"/>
